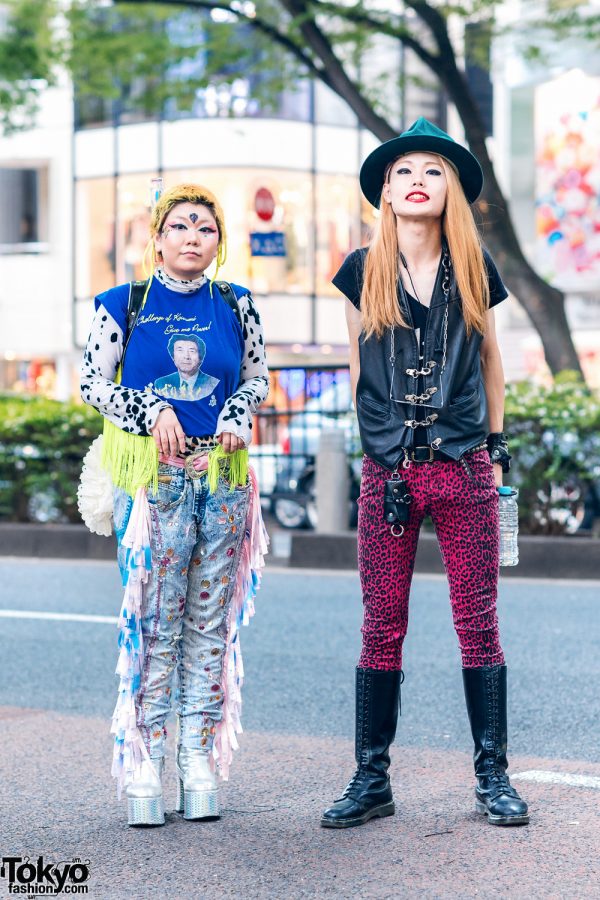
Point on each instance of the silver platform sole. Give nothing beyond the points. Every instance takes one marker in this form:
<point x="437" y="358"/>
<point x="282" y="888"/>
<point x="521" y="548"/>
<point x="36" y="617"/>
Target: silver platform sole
<point x="145" y="811"/>
<point x="197" y="804"/>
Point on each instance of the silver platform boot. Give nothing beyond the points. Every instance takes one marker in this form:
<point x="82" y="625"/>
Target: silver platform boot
<point x="197" y="792"/>
<point x="145" y="805"/>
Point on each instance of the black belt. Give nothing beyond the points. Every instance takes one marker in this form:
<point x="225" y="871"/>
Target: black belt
<point x="426" y="454"/>
<point x="429" y="454"/>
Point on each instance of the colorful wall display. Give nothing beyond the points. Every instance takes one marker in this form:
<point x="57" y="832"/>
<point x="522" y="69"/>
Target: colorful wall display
<point x="567" y="111"/>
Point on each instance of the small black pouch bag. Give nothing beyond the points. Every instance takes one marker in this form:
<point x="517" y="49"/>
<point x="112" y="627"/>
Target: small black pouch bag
<point x="396" y="502"/>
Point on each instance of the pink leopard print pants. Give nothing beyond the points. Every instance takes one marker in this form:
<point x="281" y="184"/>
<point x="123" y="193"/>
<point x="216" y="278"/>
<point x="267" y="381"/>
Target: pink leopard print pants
<point x="464" y="511"/>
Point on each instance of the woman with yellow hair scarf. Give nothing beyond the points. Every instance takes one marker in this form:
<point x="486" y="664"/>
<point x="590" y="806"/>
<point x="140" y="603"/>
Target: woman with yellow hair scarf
<point x="178" y="382"/>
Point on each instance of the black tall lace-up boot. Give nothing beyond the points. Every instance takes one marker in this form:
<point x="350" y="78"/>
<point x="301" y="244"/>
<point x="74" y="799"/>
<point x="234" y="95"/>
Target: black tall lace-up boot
<point x="485" y="693"/>
<point x="369" y="793"/>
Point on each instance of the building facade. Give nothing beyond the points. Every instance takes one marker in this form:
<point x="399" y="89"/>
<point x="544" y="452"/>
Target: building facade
<point x="546" y="150"/>
<point x="37" y="352"/>
<point x="287" y="179"/>
<point x="79" y="188"/>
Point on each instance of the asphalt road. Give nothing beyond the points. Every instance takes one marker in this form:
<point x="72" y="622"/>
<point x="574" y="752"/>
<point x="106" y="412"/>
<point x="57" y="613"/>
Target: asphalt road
<point x="301" y="648"/>
<point x="57" y="691"/>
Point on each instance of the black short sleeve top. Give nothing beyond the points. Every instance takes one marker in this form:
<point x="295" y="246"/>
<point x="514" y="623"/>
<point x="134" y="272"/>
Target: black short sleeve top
<point x="349" y="279"/>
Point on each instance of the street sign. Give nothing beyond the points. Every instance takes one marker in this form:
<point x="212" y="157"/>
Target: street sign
<point x="264" y="204"/>
<point x="267" y="243"/>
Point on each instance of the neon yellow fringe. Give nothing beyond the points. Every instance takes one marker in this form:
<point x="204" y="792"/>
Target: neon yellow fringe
<point x="132" y="462"/>
<point x="235" y="468"/>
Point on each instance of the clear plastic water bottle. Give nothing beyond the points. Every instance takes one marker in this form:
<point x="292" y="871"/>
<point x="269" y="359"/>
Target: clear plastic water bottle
<point x="509" y="525"/>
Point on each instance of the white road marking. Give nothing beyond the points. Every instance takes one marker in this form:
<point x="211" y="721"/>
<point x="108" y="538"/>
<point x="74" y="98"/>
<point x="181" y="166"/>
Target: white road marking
<point x="544" y="776"/>
<point x="57" y="617"/>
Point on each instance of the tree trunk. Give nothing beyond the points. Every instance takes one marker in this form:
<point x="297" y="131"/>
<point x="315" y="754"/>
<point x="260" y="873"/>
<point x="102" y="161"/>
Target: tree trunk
<point x="544" y="304"/>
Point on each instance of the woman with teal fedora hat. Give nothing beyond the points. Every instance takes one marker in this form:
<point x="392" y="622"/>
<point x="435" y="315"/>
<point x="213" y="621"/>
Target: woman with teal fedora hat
<point x="429" y="391"/>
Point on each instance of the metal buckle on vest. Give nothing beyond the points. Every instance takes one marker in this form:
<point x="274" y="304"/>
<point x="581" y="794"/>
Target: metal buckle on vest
<point x="421" y="398"/>
<point x="426" y="370"/>
<point x="425" y="423"/>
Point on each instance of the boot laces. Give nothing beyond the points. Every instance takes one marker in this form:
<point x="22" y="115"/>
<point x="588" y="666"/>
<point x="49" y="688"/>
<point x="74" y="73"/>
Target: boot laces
<point x="355" y="782"/>
<point x="500" y="784"/>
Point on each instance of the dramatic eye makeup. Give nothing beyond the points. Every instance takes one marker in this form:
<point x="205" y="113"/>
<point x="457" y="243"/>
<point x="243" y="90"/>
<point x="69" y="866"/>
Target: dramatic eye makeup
<point x="406" y="170"/>
<point x="180" y="226"/>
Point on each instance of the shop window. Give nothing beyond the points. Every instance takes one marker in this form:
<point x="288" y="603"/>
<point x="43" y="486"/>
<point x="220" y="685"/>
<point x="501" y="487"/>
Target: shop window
<point x="292" y="194"/>
<point x="133" y="227"/>
<point x="93" y="111"/>
<point x="94" y="237"/>
<point x="110" y="243"/>
<point x="338" y="208"/>
<point x="24" y="225"/>
<point x="330" y="109"/>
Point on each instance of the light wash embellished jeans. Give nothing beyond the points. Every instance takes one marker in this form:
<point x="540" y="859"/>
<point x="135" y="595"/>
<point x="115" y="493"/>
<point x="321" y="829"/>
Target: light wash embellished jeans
<point x="196" y="543"/>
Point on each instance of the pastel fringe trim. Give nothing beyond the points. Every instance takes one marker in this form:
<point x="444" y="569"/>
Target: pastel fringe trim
<point x="241" y="609"/>
<point x="129" y="749"/>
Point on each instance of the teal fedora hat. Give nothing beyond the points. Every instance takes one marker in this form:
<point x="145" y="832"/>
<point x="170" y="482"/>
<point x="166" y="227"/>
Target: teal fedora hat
<point x="422" y="136"/>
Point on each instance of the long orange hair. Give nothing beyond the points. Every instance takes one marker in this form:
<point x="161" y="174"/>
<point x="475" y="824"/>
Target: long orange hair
<point x="379" y="298"/>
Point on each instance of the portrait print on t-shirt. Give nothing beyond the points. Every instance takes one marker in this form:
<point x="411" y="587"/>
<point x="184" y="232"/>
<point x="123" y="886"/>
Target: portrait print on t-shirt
<point x="188" y="382"/>
<point x="186" y="349"/>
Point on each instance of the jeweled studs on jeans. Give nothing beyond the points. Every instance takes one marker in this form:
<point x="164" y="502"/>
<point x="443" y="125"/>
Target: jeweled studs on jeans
<point x="369" y="794"/>
<point x="145" y="805"/>
<point x="495" y="797"/>
<point x="197" y="792"/>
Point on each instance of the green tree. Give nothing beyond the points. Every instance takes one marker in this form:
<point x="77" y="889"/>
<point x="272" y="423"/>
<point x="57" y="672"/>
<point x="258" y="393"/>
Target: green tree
<point x="115" y="50"/>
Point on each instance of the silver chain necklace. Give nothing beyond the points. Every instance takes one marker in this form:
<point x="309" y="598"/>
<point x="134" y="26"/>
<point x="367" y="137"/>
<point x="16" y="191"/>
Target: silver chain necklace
<point x="426" y="369"/>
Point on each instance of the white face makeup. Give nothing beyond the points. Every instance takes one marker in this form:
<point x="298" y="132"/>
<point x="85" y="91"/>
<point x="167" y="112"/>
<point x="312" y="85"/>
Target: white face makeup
<point x="188" y="241"/>
<point x="416" y="186"/>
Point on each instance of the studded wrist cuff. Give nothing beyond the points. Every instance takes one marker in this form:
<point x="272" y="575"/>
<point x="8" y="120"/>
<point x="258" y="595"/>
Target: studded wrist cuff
<point x="498" y="450"/>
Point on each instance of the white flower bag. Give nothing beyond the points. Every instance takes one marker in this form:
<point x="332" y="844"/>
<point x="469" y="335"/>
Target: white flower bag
<point x="95" y="492"/>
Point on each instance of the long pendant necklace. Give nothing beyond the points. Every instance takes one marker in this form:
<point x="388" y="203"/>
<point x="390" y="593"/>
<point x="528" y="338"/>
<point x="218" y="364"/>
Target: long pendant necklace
<point x="410" y="278"/>
<point x="427" y="367"/>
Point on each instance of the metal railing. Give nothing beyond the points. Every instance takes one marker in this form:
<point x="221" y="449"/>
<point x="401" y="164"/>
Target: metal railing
<point x="301" y="403"/>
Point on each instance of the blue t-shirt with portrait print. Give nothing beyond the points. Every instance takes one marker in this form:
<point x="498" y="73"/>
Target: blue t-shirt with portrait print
<point x="187" y="348"/>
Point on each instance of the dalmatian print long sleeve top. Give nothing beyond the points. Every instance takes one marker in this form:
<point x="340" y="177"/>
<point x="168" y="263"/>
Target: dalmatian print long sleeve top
<point x="136" y="410"/>
<point x="239" y="409"/>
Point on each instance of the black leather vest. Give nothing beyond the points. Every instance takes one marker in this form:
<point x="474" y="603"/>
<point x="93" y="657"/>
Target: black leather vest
<point x="389" y="396"/>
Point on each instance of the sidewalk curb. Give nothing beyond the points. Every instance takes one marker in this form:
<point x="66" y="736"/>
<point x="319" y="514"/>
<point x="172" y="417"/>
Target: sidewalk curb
<point x="56" y="541"/>
<point x="540" y="557"/>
